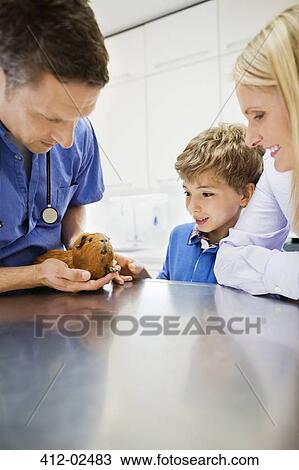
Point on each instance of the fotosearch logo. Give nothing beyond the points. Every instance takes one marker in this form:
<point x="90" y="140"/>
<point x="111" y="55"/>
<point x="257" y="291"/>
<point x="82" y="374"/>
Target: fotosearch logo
<point x="147" y="325"/>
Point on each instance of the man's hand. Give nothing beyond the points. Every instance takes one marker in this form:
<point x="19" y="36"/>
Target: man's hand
<point x="57" y="275"/>
<point x="129" y="270"/>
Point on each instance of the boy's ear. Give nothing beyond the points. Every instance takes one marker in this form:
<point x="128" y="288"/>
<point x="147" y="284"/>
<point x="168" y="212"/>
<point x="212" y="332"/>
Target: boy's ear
<point x="246" y="196"/>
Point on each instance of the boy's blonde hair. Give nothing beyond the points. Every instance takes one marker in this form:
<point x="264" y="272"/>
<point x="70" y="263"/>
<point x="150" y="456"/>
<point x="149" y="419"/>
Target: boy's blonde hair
<point x="272" y="59"/>
<point x="223" y="150"/>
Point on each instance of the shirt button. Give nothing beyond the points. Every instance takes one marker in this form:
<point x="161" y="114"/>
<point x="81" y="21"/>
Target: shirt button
<point x="1" y="224"/>
<point x="17" y="157"/>
<point x="277" y="290"/>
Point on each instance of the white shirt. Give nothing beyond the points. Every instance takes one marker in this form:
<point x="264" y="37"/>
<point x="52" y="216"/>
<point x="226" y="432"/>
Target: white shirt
<point x="251" y="257"/>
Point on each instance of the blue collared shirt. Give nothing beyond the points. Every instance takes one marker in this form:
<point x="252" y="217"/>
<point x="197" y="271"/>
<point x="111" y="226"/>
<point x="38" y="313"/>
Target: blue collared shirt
<point x="76" y="177"/>
<point x="190" y="256"/>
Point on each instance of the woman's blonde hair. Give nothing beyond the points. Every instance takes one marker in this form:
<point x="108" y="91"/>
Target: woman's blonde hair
<point x="272" y="59"/>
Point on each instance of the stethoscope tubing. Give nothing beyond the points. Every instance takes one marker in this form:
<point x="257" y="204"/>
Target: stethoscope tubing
<point x="49" y="214"/>
<point x="48" y="163"/>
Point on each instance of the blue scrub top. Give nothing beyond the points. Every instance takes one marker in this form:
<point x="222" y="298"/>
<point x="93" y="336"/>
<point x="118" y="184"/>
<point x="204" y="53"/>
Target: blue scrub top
<point x="76" y="177"/>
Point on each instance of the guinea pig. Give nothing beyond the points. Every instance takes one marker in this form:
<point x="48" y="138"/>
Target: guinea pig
<point x="92" y="252"/>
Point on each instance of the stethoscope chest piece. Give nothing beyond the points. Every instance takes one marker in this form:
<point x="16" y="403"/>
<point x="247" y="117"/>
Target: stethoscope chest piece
<point x="49" y="214"/>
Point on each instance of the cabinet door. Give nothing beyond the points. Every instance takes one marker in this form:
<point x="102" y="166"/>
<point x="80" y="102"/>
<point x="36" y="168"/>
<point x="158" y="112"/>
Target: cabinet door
<point x="181" y="38"/>
<point x="231" y="111"/>
<point x="119" y="121"/>
<point x="181" y="103"/>
<point x="126" y="52"/>
<point x="241" y="20"/>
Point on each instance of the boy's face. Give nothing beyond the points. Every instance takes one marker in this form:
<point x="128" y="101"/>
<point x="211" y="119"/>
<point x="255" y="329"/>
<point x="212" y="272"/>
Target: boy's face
<point x="214" y="205"/>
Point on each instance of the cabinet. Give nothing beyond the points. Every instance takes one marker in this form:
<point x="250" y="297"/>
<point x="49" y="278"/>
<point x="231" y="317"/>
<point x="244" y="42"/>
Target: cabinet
<point x="182" y="38"/>
<point x="120" y="116"/>
<point x="120" y="123"/>
<point x="127" y="55"/>
<point x="169" y="80"/>
<point x="241" y="20"/>
<point x="231" y="110"/>
<point x="181" y="103"/>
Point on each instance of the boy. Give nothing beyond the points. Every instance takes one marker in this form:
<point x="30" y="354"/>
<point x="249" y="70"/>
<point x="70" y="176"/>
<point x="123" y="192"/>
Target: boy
<point x="219" y="174"/>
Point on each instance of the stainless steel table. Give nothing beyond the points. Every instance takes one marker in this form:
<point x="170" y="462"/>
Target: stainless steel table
<point x="154" y="364"/>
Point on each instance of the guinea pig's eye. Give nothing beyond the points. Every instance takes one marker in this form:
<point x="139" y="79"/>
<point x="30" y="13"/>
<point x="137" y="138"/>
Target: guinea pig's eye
<point x="90" y="240"/>
<point x="82" y="241"/>
<point x="102" y="241"/>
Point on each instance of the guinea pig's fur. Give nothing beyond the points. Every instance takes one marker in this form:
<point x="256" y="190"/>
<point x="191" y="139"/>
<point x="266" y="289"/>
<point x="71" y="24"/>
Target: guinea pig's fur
<point x="92" y="252"/>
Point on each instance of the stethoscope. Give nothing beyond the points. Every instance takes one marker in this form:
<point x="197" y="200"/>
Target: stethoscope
<point x="49" y="214"/>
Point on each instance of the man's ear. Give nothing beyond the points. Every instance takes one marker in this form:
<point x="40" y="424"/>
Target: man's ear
<point x="247" y="194"/>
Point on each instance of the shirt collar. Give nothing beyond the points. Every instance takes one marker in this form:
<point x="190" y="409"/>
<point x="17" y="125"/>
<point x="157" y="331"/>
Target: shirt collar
<point x="3" y="129"/>
<point x="198" y="236"/>
<point x="12" y="142"/>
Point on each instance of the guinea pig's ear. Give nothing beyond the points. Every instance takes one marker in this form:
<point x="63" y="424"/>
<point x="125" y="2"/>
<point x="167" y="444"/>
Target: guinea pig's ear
<point x="82" y="241"/>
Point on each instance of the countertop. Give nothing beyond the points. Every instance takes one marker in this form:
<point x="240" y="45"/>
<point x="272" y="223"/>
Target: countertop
<point x="157" y="364"/>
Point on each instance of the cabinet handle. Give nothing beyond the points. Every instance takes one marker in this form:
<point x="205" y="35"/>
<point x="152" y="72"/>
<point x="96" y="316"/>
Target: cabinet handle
<point x="123" y="185"/>
<point x="162" y="181"/>
<point x="240" y="42"/>
<point x="122" y="76"/>
<point x="184" y="58"/>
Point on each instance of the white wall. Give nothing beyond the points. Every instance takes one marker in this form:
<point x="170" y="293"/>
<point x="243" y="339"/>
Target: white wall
<point x="169" y="80"/>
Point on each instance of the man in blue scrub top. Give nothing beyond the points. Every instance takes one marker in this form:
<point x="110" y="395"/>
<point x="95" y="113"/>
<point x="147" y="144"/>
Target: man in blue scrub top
<point x="53" y="64"/>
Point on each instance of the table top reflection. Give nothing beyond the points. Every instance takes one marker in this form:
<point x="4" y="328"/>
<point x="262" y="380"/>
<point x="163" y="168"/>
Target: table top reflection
<point x="151" y="365"/>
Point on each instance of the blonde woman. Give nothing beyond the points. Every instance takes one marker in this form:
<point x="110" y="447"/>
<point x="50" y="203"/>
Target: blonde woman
<point x="267" y="78"/>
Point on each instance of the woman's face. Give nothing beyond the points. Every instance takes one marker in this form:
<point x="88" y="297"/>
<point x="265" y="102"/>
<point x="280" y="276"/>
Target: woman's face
<point x="268" y="123"/>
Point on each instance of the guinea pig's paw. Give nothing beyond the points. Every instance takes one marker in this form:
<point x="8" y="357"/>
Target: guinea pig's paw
<point x="111" y="269"/>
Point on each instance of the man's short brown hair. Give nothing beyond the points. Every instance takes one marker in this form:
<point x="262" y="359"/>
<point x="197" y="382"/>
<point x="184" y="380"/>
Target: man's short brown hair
<point x="60" y="37"/>
<point x="222" y="150"/>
